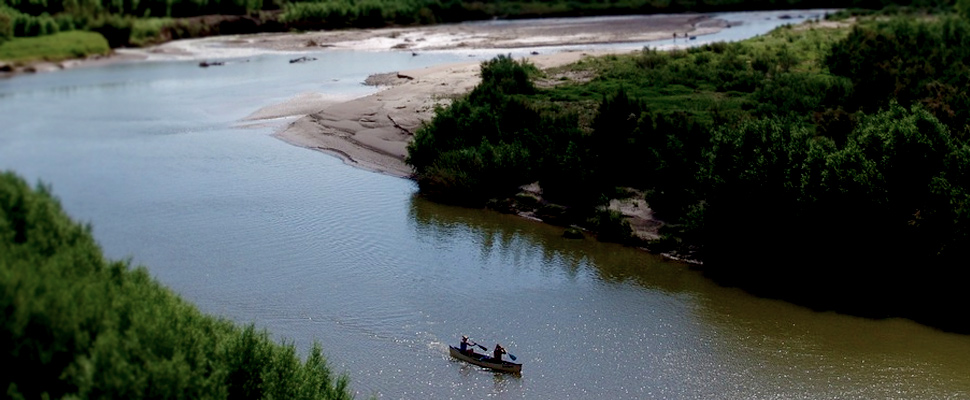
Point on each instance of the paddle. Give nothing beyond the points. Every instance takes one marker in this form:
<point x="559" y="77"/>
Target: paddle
<point x="512" y="356"/>
<point x="476" y="344"/>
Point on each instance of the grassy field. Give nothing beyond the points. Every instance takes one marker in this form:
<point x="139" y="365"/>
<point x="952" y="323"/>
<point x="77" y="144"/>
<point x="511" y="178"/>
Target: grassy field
<point x="56" y="47"/>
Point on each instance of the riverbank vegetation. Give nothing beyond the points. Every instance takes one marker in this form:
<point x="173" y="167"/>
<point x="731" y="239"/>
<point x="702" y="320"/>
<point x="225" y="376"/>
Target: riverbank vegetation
<point x="823" y="164"/>
<point x="137" y="23"/>
<point x="78" y="325"/>
<point x="56" y="47"/>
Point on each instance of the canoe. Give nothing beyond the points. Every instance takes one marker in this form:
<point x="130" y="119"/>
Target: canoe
<point x="483" y="360"/>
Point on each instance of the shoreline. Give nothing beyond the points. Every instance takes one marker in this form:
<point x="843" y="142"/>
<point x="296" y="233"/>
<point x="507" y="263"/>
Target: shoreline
<point x="373" y="131"/>
<point x="471" y="36"/>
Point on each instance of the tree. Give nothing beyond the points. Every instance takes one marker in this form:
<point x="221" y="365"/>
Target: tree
<point x="6" y="26"/>
<point x="826" y="222"/>
<point x="963" y="8"/>
<point x="614" y="138"/>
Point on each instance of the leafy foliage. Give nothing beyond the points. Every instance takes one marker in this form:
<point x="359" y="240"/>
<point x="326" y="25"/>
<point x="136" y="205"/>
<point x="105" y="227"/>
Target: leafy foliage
<point x="963" y="8"/>
<point x="894" y="194"/>
<point x="6" y="25"/>
<point x="909" y="61"/>
<point x="485" y="144"/>
<point x="78" y="325"/>
<point x="806" y="164"/>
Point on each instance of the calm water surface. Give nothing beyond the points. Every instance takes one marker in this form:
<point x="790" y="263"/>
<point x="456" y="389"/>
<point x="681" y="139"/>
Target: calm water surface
<point x="256" y="230"/>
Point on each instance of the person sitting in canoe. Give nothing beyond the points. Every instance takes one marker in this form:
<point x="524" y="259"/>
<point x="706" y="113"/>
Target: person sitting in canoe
<point x="497" y="353"/>
<point x="464" y="345"/>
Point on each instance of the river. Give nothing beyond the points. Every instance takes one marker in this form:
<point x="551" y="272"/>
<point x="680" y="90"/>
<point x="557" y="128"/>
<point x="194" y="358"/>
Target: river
<point x="154" y="155"/>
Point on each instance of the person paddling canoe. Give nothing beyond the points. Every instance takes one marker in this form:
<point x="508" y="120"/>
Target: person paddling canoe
<point x="464" y="345"/>
<point x="497" y="353"/>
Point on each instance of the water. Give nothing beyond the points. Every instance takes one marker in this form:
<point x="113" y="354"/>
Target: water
<point x="293" y="240"/>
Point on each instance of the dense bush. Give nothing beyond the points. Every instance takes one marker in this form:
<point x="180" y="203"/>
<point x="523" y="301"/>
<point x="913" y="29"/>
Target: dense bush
<point x="6" y="25"/>
<point x="15" y="23"/>
<point x="909" y="61"/>
<point x="78" y="325"/>
<point x="616" y="141"/>
<point x="485" y="144"/>
<point x="366" y="14"/>
<point x="807" y="164"/>
<point x="963" y="8"/>
<point x="115" y="29"/>
<point x="805" y="214"/>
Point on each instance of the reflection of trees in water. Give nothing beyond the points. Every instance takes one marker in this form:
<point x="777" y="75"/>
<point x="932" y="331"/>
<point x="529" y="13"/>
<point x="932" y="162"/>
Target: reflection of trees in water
<point x="512" y="239"/>
<point x="776" y="347"/>
<point x="496" y="235"/>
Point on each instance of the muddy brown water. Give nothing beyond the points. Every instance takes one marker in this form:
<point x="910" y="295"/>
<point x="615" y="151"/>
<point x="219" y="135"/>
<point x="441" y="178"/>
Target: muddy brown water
<point x="250" y="228"/>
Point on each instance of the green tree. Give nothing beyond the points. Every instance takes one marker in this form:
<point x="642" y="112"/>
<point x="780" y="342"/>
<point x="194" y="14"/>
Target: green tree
<point x="6" y="25"/>
<point x="909" y="61"/>
<point x="485" y="144"/>
<point x="963" y="8"/>
<point x="614" y="139"/>
<point x="829" y="219"/>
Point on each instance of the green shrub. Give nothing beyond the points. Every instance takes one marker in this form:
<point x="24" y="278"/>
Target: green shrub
<point x="895" y="192"/>
<point x="6" y="25"/>
<point x="146" y="31"/>
<point x="908" y="61"/>
<point x="116" y="29"/>
<point x="29" y="25"/>
<point x="77" y="325"/>
<point x="504" y="75"/>
<point x="963" y="8"/>
<point x="484" y="144"/>
<point x="610" y="226"/>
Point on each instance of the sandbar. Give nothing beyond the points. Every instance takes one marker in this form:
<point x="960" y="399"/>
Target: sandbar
<point x="373" y="131"/>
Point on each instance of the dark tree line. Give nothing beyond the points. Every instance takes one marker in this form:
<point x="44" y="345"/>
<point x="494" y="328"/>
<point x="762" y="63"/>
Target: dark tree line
<point x="823" y="167"/>
<point x="19" y="18"/>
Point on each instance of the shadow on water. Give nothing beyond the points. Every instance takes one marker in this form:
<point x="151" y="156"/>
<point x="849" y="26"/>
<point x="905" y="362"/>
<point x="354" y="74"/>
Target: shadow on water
<point x="495" y="232"/>
<point x="697" y="337"/>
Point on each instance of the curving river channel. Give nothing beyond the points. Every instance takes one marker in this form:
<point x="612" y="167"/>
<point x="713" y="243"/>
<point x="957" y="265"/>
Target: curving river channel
<point x="253" y="229"/>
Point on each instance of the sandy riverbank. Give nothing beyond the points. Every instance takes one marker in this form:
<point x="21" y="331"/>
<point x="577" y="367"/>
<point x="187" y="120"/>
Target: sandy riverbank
<point x="494" y="34"/>
<point x="373" y="132"/>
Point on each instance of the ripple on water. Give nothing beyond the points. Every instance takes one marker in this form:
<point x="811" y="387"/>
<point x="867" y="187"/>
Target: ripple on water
<point x="295" y="241"/>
